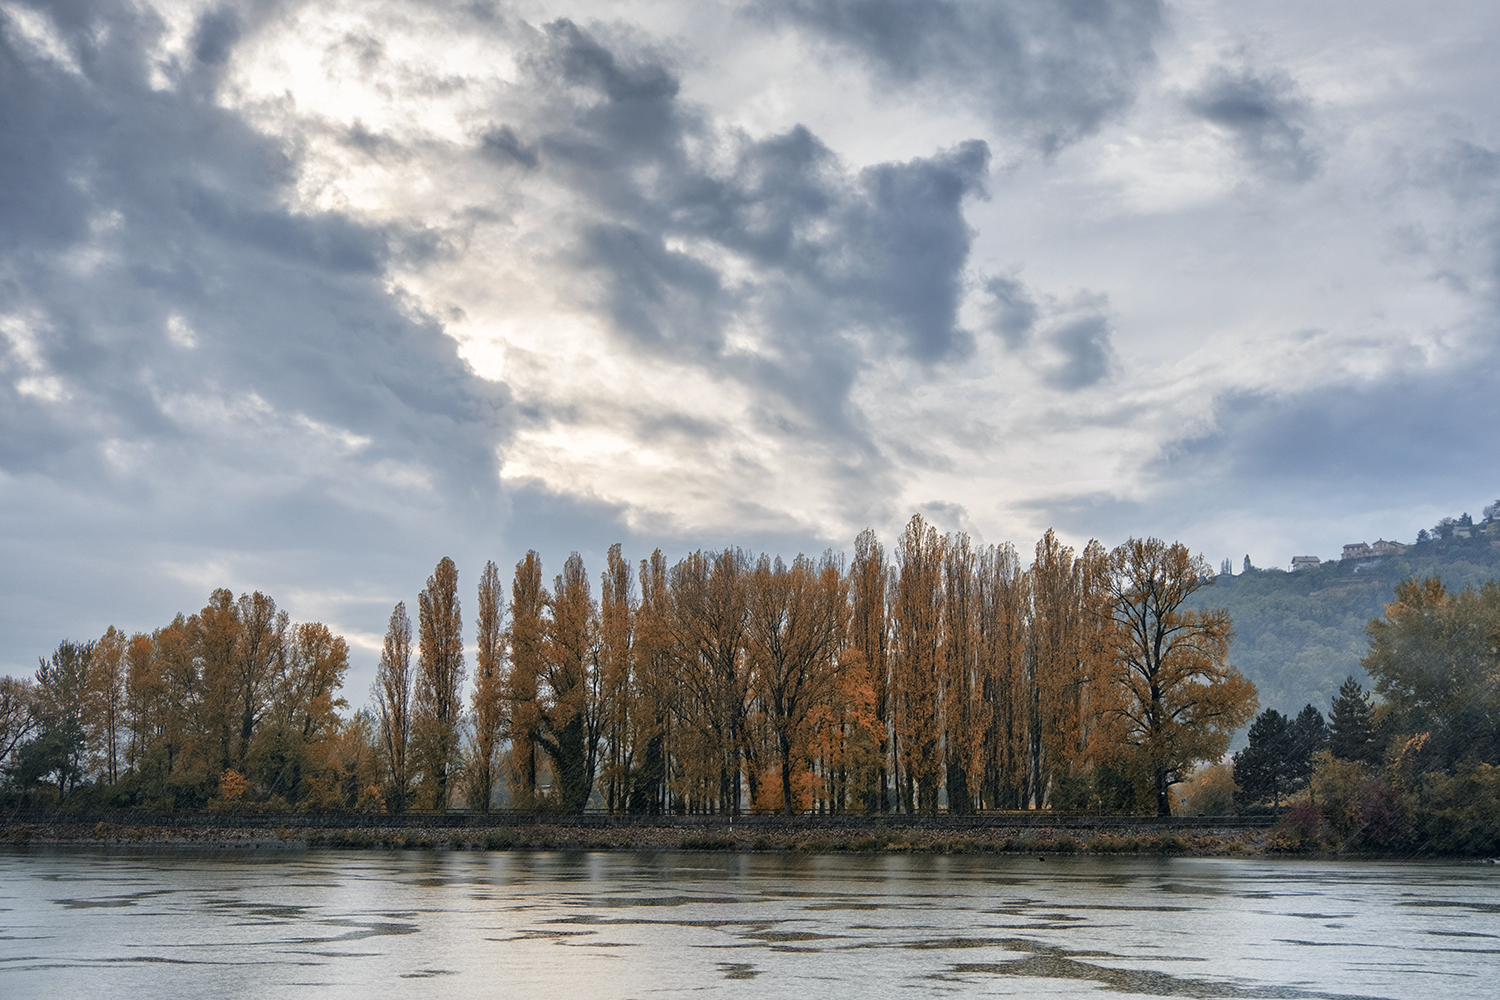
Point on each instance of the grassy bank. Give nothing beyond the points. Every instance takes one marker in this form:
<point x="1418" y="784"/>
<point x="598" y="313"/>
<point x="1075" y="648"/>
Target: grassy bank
<point x="1066" y="836"/>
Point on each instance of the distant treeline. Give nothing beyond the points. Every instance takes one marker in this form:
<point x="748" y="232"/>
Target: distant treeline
<point x="951" y="675"/>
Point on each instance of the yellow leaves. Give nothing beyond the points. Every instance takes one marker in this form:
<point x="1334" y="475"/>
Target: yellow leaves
<point x="233" y="785"/>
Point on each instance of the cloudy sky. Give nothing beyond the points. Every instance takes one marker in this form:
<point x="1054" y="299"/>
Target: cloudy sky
<point x="302" y="296"/>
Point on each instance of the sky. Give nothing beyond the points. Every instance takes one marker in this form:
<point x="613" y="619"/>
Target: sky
<point x="301" y="297"/>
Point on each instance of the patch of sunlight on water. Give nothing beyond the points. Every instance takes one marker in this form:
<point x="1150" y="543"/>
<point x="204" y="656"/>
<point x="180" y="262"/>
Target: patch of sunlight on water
<point x="100" y="924"/>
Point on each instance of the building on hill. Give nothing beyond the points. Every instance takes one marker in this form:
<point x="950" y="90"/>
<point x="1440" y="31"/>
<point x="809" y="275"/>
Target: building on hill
<point x="1360" y="551"/>
<point x="1305" y="562"/>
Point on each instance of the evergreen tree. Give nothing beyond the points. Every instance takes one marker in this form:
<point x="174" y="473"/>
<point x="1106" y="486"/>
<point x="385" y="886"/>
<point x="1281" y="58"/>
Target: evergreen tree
<point x="1261" y="768"/>
<point x="1351" y="733"/>
<point x="1307" y="735"/>
<point x="1278" y="760"/>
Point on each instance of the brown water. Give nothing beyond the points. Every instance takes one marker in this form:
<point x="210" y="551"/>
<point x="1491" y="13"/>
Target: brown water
<point x="98" y="924"/>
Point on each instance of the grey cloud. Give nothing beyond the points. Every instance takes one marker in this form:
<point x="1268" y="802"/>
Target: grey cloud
<point x="1464" y="169"/>
<point x="1068" y="342"/>
<point x="503" y="144"/>
<point x="1084" y="344"/>
<point x="1267" y="116"/>
<point x="665" y="299"/>
<point x="1010" y="310"/>
<point x="312" y="413"/>
<point x="843" y="263"/>
<point x="1052" y="71"/>
<point x="215" y="35"/>
<point x="1404" y="441"/>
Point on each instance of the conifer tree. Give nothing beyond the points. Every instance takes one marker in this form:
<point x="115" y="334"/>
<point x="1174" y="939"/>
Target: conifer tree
<point x="1351" y="724"/>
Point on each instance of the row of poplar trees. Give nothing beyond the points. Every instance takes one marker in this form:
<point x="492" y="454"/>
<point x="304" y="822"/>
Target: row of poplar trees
<point x="950" y="675"/>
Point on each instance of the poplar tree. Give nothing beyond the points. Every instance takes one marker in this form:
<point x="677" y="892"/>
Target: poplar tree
<point x="656" y="691"/>
<point x="710" y="609"/>
<point x="488" y="700"/>
<point x="965" y="714"/>
<point x="571" y="711"/>
<point x="796" y="620"/>
<point x="620" y="684"/>
<point x="259" y="652"/>
<point x="1004" y="601"/>
<point x="864" y="673"/>
<point x="440" y="676"/>
<point x="528" y="658"/>
<point x="916" y="631"/>
<point x="393" y="692"/>
<point x="106" y="709"/>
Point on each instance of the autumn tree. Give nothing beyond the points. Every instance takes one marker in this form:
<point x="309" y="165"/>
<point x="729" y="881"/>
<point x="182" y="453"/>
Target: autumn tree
<point x="393" y="696"/>
<point x="863" y="680"/>
<point x="186" y="732"/>
<point x="259" y="652"/>
<point x="655" y="690"/>
<point x="710" y="611"/>
<point x="437" y="696"/>
<point x="1069" y="657"/>
<point x="571" y="712"/>
<point x="1004" y="608"/>
<point x="145" y="691"/>
<point x="528" y="662"/>
<point x="617" y="674"/>
<point x="1179" y="700"/>
<point x="106" y="702"/>
<point x="796" y="620"/>
<point x="916" y="634"/>
<point x="488" y="698"/>
<point x="965" y="713"/>
<point x="292" y="755"/>
<point x="215" y="632"/>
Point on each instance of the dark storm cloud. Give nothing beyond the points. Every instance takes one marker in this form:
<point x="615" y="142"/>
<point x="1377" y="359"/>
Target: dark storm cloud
<point x="844" y="266"/>
<point x="214" y="370"/>
<point x="1266" y="114"/>
<point x="1053" y="71"/>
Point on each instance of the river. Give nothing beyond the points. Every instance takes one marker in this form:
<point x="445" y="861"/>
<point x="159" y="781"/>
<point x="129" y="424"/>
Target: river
<point x="101" y="923"/>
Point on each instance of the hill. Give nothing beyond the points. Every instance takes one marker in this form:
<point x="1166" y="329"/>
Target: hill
<point x="1299" y="634"/>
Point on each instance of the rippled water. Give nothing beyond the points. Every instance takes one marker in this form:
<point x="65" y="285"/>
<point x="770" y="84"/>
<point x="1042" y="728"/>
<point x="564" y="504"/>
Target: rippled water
<point x="96" y="923"/>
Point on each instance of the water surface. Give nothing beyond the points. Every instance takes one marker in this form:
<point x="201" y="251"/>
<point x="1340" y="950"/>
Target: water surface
<point x="105" y="923"/>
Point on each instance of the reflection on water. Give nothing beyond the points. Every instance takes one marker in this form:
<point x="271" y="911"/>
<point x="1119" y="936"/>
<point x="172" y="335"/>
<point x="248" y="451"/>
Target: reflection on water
<point x="549" y="924"/>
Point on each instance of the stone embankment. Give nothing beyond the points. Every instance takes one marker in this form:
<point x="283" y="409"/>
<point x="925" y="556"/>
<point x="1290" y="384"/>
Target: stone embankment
<point x="1004" y="833"/>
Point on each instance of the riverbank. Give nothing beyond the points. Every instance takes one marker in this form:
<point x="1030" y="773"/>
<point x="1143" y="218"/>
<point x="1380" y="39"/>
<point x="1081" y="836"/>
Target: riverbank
<point x="1017" y="834"/>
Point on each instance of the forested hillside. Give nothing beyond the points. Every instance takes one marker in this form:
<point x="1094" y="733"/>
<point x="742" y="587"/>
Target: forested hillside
<point x="1298" y="635"/>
